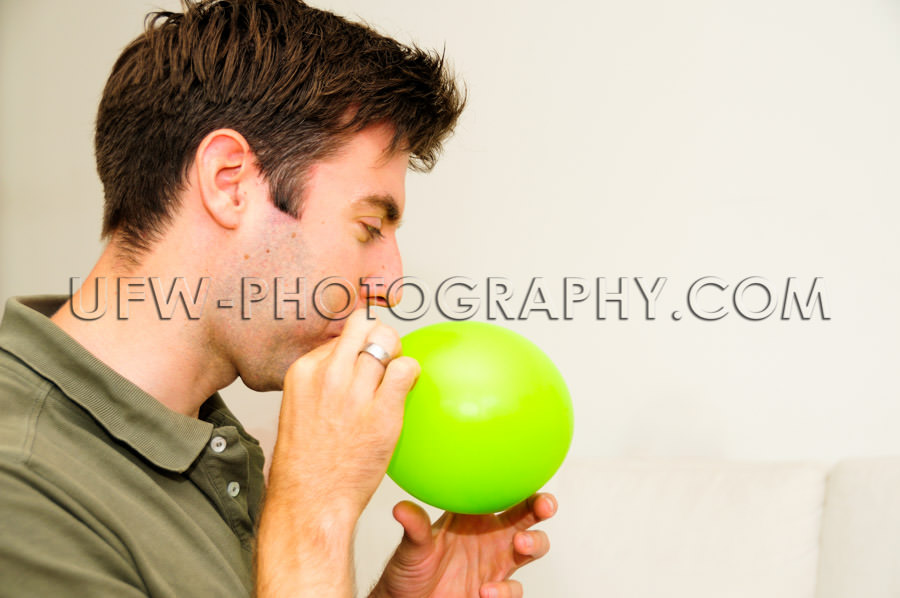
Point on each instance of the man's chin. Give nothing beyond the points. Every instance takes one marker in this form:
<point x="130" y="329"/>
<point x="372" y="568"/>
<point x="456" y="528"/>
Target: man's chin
<point x="268" y="379"/>
<point x="262" y="385"/>
<point x="273" y="378"/>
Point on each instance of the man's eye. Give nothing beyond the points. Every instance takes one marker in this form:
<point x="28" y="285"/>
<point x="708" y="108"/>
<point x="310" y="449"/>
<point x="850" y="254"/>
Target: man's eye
<point x="374" y="233"/>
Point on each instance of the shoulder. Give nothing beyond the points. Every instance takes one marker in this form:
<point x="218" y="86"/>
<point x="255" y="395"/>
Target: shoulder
<point x="53" y="484"/>
<point x="23" y="393"/>
<point x="42" y="431"/>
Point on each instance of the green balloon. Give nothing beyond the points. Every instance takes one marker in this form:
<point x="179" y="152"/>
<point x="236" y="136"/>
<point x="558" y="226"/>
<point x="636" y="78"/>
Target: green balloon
<point x="488" y="422"/>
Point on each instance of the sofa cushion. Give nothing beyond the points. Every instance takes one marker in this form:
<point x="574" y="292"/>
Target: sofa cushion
<point x="860" y="549"/>
<point x="682" y="528"/>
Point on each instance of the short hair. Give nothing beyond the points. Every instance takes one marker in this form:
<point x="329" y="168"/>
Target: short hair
<point x="294" y="80"/>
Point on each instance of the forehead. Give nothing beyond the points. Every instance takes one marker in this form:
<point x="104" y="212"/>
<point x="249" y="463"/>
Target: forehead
<point x="362" y="174"/>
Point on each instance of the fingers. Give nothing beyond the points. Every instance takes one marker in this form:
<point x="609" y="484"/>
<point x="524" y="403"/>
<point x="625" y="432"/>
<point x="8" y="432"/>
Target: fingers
<point x="537" y="507"/>
<point x="352" y="339"/>
<point x="416" y="523"/>
<point x="390" y="397"/>
<point x="502" y="589"/>
<point x="368" y="371"/>
<point x="533" y="544"/>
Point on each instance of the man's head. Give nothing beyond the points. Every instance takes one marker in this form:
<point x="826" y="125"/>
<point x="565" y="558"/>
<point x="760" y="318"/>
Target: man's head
<point x="266" y="139"/>
<point x="344" y="248"/>
<point x="295" y="81"/>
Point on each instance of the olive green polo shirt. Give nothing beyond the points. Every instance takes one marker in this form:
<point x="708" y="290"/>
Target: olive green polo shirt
<point x="104" y="491"/>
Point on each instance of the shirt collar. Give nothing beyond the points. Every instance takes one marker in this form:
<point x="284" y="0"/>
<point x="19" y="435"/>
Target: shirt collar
<point x="164" y="437"/>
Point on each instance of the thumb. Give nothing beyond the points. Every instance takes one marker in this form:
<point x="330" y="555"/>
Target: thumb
<point x="416" y="525"/>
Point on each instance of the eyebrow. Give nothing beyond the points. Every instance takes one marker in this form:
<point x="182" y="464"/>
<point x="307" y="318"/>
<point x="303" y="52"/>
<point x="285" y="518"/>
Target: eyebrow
<point x="386" y="203"/>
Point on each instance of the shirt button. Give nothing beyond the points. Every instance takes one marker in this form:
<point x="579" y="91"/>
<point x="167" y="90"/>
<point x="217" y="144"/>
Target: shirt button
<point x="218" y="444"/>
<point x="233" y="489"/>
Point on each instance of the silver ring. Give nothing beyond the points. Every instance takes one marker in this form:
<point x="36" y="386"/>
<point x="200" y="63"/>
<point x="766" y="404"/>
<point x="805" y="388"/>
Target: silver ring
<point x="378" y="352"/>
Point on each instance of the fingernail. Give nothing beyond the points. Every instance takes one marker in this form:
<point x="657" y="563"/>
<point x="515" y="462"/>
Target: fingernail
<point x="493" y="593"/>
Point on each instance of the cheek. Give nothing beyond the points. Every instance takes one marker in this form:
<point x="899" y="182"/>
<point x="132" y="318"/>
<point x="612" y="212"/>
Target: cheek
<point x="336" y="299"/>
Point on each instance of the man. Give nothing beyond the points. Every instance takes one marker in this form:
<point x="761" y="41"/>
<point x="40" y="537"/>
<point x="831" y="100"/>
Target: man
<point x="261" y="140"/>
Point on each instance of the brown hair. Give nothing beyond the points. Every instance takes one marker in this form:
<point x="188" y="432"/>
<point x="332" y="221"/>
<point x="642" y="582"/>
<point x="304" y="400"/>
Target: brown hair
<point x="294" y="80"/>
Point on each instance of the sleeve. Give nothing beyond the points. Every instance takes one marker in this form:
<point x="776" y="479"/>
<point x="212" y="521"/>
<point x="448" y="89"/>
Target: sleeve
<point x="48" y="546"/>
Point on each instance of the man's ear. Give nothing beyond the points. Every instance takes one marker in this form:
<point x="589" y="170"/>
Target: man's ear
<point x="223" y="161"/>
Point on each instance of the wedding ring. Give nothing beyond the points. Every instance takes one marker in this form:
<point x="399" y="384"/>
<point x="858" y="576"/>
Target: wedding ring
<point x="378" y="352"/>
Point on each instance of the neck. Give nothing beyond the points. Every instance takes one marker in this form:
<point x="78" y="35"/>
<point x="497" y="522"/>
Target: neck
<point x="145" y="334"/>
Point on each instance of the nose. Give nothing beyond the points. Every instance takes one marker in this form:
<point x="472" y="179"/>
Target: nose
<point x="387" y="267"/>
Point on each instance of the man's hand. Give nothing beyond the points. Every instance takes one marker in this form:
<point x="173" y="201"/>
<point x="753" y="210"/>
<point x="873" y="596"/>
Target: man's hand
<point x="463" y="556"/>
<point x="340" y="418"/>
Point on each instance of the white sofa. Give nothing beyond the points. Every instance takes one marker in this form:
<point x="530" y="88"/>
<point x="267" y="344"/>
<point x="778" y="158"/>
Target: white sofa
<point x="642" y="528"/>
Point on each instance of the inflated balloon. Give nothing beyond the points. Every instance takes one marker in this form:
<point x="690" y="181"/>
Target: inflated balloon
<point x="488" y="422"/>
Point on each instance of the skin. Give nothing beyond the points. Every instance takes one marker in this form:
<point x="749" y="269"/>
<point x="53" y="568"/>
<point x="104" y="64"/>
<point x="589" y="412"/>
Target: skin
<point x="341" y="412"/>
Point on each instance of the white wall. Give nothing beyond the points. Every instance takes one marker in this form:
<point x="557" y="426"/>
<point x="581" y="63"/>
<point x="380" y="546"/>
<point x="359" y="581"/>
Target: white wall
<point x="602" y="139"/>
